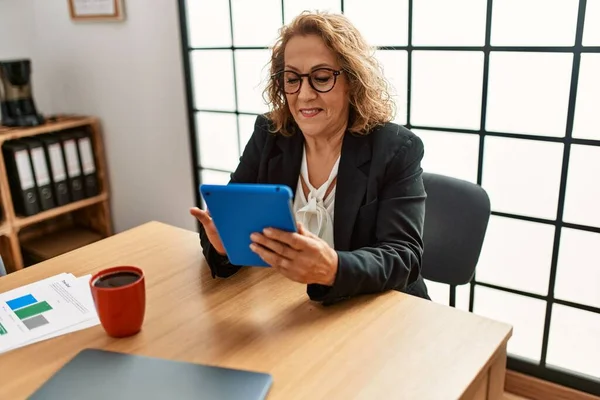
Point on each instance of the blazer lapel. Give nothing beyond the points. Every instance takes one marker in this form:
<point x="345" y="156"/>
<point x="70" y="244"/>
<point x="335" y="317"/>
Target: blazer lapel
<point x="351" y="184"/>
<point x="351" y="187"/>
<point x="284" y="166"/>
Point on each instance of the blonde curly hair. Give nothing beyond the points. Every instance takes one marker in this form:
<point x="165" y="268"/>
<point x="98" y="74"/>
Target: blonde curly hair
<point x="370" y="101"/>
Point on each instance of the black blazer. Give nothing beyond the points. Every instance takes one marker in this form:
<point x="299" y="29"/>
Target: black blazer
<point x="378" y="214"/>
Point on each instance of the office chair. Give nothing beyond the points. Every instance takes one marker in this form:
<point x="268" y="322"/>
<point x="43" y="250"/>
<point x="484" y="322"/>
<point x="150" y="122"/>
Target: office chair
<point x="2" y="268"/>
<point x="456" y="218"/>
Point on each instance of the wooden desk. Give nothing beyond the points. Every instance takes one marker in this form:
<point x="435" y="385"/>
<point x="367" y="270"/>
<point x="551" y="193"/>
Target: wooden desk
<point x="372" y="347"/>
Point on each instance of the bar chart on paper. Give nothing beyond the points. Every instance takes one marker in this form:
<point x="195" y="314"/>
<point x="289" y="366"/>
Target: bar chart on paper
<point x="45" y="309"/>
<point x="29" y="310"/>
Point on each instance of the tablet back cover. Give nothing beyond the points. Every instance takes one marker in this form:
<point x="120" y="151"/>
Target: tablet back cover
<point x="239" y="210"/>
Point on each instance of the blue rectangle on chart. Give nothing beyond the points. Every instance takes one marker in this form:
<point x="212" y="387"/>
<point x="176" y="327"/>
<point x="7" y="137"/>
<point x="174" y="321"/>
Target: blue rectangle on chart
<point x="22" y="301"/>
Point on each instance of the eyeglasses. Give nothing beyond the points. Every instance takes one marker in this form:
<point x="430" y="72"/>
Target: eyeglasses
<point x="322" y="80"/>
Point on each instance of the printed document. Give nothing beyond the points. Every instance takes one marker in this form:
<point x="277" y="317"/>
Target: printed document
<point x="45" y="309"/>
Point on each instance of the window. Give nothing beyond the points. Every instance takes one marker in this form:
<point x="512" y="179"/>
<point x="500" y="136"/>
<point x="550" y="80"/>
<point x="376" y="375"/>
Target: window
<point x="504" y="94"/>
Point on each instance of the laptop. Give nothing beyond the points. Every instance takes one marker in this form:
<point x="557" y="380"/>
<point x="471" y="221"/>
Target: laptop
<point x="99" y="374"/>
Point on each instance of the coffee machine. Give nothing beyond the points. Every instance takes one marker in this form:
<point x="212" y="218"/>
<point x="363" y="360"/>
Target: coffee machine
<point x="16" y="101"/>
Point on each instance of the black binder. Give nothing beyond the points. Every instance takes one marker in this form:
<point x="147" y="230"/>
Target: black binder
<point x="88" y="164"/>
<point x="20" y="178"/>
<point x="71" y="154"/>
<point x="41" y="173"/>
<point x="57" y="168"/>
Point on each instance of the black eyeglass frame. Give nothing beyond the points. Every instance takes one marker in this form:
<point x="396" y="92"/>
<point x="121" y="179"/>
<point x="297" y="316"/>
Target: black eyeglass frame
<point x="279" y="75"/>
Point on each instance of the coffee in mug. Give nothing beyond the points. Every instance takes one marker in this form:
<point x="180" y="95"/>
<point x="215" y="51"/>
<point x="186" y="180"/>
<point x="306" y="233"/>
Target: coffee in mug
<point x="116" y="279"/>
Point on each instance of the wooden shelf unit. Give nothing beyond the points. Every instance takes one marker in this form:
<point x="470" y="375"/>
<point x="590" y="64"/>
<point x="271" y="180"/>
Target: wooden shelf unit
<point x="92" y="213"/>
<point x="22" y="222"/>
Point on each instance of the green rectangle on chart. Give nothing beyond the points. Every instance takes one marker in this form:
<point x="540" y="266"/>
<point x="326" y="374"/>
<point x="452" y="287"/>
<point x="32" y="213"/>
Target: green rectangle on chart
<point x="3" y="331"/>
<point x="33" y="309"/>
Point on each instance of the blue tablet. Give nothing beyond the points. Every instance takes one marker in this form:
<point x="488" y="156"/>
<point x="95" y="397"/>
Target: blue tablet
<point x="240" y="209"/>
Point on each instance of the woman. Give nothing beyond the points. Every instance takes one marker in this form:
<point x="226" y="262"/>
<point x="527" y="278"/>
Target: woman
<point x="358" y="191"/>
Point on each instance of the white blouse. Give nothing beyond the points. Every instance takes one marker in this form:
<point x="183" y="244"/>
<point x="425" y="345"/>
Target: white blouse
<point x="313" y="211"/>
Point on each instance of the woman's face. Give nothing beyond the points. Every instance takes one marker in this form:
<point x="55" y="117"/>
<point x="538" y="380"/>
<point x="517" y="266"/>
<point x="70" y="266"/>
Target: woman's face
<point x="316" y="113"/>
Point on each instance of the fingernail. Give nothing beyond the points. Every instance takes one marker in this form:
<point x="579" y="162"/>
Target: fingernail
<point x="254" y="237"/>
<point x="267" y="231"/>
<point x="252" y="247"/>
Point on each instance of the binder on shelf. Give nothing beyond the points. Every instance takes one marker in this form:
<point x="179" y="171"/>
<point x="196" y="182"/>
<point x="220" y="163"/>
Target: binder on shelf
<point x="41" y="173"/>
<point x="88" y="165"/>
<point x="58" y="171"/>
<point x="74" y="176"/>
<point x="20" y="178"/>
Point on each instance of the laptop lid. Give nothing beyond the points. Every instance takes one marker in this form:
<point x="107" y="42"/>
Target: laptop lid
<point x="98" y="374"/>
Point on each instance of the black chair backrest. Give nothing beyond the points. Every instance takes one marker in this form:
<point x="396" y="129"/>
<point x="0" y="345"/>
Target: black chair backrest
<point x="456" y="218"/>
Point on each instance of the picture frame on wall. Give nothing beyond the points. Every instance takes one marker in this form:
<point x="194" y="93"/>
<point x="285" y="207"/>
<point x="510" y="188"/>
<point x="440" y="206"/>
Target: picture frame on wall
<point x="96" y="10"/>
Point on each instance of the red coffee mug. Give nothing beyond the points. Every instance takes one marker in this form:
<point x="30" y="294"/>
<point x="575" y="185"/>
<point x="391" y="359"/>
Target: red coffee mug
<point x="120" y="297"/>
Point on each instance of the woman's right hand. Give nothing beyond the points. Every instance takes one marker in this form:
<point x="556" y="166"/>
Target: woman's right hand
<point x="210" y="229"/>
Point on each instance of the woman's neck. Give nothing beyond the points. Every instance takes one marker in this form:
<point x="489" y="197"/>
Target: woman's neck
<point x="326" y="145"/>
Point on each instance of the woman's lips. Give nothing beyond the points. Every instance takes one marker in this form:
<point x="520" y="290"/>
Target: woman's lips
<point x="310" y="112"/>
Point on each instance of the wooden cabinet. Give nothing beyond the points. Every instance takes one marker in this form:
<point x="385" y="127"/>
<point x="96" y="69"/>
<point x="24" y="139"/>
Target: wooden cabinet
<point x="25" y="240"/>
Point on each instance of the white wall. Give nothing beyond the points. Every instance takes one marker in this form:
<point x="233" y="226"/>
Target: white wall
<point x="16" y="29"/>
<point x="129" y="74"/>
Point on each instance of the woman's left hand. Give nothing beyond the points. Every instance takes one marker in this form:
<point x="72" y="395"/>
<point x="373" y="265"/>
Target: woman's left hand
<point x="302" y="257"/>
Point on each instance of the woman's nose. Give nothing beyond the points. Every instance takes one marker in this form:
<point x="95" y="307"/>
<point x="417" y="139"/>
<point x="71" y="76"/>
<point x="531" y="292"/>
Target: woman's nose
<point x="306" y="91"/>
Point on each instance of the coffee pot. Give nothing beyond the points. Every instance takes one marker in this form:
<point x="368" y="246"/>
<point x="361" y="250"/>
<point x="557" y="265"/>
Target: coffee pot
<point x="16" y="100"/>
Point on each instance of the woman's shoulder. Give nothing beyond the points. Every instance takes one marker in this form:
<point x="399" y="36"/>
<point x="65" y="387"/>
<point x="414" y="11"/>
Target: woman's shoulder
<point x="263" y="122"/>
<point x="263" y="132"/>
<point x="392" y="137"/>
<point x="263" y="125"/>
